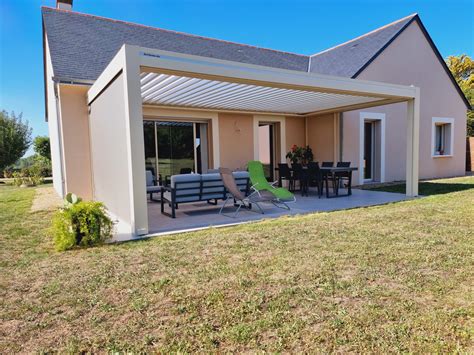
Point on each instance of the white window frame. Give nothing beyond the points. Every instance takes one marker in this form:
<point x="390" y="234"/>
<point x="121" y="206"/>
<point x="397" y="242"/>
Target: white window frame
<point x="371" y="116"/>
<point x="444" y="121"/>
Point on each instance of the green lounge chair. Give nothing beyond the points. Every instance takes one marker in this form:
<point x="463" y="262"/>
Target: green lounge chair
<point x="260" y="183"/>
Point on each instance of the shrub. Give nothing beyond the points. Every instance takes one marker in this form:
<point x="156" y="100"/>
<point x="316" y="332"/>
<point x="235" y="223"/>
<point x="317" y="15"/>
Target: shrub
<point x="27" y="177"/>
<point x="81" y="223"/>
<point x="42" y="166"/>
<point x="8" y="173"/>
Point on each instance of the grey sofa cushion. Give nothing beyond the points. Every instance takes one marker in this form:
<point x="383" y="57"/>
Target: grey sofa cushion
<point x="212" y="186"/>
<point x="150" y="178"/>
<point x="241" y="179"/>
<point x="153" y="188"/>
<point x="190" y="182"/>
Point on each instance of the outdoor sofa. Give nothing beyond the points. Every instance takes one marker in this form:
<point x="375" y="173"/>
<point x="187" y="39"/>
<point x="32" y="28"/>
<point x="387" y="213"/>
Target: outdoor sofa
<point x="199" y="187"/>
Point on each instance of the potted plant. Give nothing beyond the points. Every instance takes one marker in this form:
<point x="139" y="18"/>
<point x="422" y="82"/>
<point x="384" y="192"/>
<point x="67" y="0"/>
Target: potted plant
<point x="303" y="155"/>
<point x="308" y="155"/>
<point x="295" y="154"/>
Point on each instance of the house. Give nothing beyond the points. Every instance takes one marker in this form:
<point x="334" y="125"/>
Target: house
<point x="122" y="98"/>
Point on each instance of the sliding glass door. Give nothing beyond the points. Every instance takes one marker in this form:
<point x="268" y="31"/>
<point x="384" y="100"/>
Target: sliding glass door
<point x="175" y="147"/>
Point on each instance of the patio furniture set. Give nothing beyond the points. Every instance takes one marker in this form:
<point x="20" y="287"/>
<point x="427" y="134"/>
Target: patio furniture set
<point x="247" y="188"/>
<point x="319" y="176"/>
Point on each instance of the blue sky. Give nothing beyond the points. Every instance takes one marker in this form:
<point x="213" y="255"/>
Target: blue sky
<point x="298" y="26"/>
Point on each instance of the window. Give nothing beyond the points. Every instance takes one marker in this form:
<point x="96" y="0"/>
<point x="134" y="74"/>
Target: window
<point x="442" y="140"/>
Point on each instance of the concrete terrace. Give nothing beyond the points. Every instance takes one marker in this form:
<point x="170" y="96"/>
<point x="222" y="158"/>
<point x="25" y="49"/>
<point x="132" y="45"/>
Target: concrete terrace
<point x="200" y="215"/>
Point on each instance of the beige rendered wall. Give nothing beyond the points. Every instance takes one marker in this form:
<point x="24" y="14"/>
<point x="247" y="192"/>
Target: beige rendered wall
<point x="109" y="142"/>
<point x="236" y="140"/>
<point x="295" y="132"/>
<point x="320" y="133"/>
<point x="409" y="60"/>
<point x="395" y="140"/>
<point x="76" y="143"/>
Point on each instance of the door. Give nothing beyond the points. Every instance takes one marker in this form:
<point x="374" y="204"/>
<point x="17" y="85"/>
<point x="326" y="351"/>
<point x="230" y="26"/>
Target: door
<point x="266" y="148"/>
<point x="369" y="150"/>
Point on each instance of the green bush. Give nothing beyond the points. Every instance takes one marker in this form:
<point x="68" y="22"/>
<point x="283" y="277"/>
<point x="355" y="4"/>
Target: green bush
<point x="42" y="166"/>
<point x="27" y="177"/>
<point x="81" y="224"/>
<point x="8" y="173"/>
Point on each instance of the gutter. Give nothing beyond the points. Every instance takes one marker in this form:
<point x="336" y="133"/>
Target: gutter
<point x="72" y="81"/>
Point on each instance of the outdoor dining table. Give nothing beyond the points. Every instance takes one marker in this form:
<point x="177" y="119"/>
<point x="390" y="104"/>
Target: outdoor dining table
<point x="329" y="173"/>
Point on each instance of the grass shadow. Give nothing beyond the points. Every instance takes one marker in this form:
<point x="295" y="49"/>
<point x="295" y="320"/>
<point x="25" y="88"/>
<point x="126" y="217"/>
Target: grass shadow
<point x="428" y="188"/>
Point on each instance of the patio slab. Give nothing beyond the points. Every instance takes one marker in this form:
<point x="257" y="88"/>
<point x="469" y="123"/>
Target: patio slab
<point x="200" y="215"/>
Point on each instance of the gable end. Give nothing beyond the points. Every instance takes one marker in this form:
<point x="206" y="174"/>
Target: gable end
<point x="433" y="47"/>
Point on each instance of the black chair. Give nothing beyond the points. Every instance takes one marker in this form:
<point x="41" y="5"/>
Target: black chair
<point x="185" y="171"/>
<point x="284" y="173"/>
<point x="297" y="174"/>
<point x="315" y="177"/>
<point x="343" y="176"/>
<point x="326" y="175"/>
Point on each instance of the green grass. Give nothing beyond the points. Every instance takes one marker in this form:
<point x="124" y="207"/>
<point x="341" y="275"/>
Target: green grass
<point x="393" y="278"/>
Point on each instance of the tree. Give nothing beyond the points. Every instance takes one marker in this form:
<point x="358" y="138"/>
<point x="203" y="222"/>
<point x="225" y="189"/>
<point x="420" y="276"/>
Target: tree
<point x="462" y="67"/>
<point x="42" y="147"/>
<point x="15" y="138"/>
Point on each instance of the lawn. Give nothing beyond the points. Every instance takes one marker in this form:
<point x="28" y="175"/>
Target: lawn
<point x="393" y="278"/>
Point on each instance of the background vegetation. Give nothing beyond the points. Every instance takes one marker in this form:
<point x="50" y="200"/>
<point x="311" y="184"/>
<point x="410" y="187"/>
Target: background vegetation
<point x="462" y="68"/>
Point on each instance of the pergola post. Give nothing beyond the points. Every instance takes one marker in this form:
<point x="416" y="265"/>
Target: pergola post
<point x="134" y="111"/>
<point x="413" y="144"/>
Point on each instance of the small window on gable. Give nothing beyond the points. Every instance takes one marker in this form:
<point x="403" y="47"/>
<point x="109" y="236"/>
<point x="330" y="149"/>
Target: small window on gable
<point x="442" y="140"/>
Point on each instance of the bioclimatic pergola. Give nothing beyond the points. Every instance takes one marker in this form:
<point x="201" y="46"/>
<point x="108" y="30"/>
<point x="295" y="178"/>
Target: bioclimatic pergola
<point x="142" y="76"/>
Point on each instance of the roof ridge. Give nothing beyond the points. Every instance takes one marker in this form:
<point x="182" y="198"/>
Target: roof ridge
<point x="365" y="34"/>
<point x="172" y="31"/>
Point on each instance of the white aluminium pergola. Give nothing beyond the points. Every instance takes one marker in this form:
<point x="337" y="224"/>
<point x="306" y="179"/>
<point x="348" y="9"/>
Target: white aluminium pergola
<point x="141" y="76"/>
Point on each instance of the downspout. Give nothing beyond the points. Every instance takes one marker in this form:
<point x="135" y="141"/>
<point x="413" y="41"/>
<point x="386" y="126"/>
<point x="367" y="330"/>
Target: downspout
<point x="60" y="139"/>
<point x="341" y="135"/>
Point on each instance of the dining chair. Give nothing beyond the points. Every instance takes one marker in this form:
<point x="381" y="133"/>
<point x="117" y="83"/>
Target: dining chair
<point x="285" y="174"/>
<point x="314" y="177"/>
<point x="297" y="169"/>
<point x="343" y="175"/>
<point x="328" y="175"/>
<point x="183" y="171"/>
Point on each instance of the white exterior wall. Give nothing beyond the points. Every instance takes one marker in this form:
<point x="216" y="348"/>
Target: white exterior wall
<point x="109" y="147"/>
<point x="54" y="128"/>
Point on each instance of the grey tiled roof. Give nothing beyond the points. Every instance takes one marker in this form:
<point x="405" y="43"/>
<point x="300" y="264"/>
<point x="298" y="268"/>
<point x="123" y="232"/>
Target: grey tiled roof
<point x="82" y="45"/>
<point x="349" y="58"/>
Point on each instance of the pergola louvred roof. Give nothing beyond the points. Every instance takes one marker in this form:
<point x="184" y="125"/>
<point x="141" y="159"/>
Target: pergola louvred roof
<point x="174" y="90"/>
